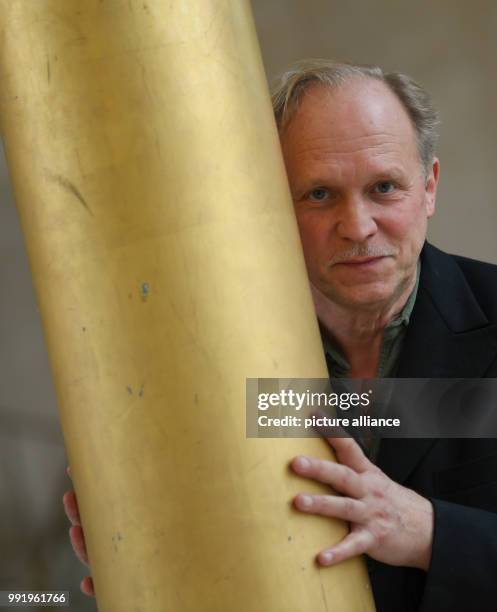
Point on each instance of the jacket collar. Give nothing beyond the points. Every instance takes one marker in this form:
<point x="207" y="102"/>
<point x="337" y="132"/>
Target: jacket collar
<point x="449" y="336"/>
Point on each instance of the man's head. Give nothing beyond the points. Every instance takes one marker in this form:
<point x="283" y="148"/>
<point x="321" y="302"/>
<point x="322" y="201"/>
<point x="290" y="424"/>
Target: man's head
<point x="359" y="150"/>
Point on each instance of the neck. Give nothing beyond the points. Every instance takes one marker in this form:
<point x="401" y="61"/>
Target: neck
<point x="358" y="332"/>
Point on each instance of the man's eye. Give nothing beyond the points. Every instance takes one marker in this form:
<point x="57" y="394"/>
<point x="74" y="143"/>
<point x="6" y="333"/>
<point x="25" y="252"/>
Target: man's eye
<point x="384" y="187"/>
<point x="319" y="194"/>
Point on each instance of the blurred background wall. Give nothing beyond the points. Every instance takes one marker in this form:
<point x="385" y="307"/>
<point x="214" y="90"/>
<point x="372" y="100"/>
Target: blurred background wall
<point x="449" y="46"/>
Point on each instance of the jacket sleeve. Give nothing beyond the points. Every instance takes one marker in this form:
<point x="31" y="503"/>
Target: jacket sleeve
<point x="463" y="569"/>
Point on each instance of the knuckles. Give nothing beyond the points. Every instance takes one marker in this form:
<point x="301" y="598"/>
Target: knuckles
<point x="349" y="507"/>
<point x="345" y="478"/>
<point x="321" y="468"/>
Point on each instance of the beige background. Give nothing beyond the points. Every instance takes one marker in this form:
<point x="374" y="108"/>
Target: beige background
<point x="448" y="45"/>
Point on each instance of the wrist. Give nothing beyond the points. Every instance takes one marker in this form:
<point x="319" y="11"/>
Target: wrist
<point x="422" y="559"/>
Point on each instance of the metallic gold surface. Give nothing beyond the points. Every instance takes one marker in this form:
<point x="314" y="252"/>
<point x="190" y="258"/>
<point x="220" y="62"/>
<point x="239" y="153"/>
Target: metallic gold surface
<point x="167" y="265"/>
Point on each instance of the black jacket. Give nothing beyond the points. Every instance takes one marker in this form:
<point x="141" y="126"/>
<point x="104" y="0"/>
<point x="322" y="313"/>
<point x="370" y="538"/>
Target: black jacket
<point x="452" y="333"/>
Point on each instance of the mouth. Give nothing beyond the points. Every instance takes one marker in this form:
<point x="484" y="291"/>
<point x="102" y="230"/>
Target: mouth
<point x="361" y="262"/>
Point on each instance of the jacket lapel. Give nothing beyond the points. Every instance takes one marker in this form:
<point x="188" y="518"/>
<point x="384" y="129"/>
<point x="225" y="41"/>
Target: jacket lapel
<point x="448" y="336"/>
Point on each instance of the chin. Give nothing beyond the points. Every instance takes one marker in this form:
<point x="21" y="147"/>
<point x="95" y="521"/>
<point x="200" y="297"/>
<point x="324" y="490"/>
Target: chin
<point x="365" y="296"/>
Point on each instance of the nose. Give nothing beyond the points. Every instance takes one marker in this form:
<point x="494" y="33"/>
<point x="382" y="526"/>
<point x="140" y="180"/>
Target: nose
<point x="355" y="222"/>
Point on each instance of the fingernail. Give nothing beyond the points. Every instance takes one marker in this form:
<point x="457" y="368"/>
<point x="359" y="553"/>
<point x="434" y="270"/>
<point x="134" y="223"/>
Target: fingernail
<point x="303" y="463"/>
<point x="305" y="501"/>
<point x="326" y="557"/>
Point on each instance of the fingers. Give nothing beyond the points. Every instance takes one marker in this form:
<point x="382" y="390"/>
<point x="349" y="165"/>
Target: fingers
<point x="77" y="538"/>
<point x="349" y="453"/>
<point x="356" y="543"/>
<point x="345" y="508"/>
<point x="87" y="587"/>
<point x="71" y="507"/>
<point x="340" y="477"/>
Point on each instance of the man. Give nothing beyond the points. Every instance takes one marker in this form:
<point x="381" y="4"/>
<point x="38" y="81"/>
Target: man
<point x="359" y="148"/>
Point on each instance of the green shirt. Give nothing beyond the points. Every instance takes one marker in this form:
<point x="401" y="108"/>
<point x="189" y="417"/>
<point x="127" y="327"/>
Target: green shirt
<point x="391" y="346"/>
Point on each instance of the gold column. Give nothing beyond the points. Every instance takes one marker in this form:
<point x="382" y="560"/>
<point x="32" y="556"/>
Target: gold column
<point x="167" y="265"/>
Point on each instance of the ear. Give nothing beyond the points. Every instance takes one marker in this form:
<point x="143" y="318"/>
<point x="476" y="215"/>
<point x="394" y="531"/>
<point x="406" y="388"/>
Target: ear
<point x="431" y="187"/>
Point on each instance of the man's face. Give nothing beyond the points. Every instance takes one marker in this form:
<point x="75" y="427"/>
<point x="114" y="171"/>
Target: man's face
<point x="361" y="196"/>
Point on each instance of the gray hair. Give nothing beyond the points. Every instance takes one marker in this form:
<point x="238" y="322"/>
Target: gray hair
<point x="288" y="91"/>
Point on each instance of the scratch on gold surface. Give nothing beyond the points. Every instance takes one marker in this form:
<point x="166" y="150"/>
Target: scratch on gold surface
<point x="68" y="186"/>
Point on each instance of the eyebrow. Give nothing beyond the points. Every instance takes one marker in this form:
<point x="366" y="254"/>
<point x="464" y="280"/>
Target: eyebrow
<point x="394" y="172"/>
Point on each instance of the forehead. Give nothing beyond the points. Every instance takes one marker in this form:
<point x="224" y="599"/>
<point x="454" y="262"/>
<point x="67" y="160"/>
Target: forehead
<point x="361" y="119"/>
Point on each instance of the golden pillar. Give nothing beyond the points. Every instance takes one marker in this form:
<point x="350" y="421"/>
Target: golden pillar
<point x="167" y="265"/>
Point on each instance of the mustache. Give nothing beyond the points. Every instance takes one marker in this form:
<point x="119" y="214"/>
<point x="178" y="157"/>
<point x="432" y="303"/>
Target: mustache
<point x="362" y="250"/>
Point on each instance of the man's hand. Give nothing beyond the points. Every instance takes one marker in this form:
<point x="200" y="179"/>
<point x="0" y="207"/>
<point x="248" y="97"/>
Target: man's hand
<point x="77" y="536"/>
<point x="389" y="522"/>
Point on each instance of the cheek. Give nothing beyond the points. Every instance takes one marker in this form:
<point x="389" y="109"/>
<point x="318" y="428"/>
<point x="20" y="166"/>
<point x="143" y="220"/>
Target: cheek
<point x="314" y="243"/>
<point x="397" y="229"/>
<point x="406" y="226"/>
<point x="311" y="231"/>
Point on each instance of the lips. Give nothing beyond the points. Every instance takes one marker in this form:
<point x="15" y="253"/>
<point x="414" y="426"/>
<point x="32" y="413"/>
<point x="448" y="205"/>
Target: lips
<point x="360" y="261"/>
